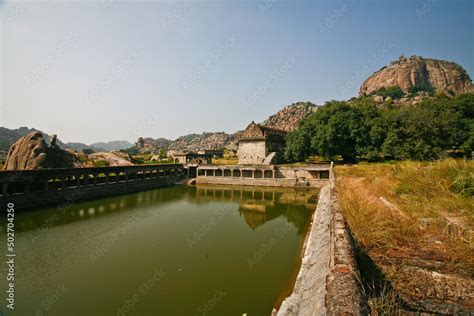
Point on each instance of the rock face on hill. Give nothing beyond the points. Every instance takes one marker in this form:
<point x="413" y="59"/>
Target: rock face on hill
<point x="32" y="152"/>
<point x="422" y="73"/>
<point x="111" y="159"/>
<point x="209" y="141"/>
<point x="286" y="119"/>
<point x="148" y="145"/>
<point x="289" y="117"/>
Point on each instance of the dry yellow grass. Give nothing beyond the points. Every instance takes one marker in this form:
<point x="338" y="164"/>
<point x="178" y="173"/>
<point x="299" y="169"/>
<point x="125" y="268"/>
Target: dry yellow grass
<point x="409" y="213"/>
<point x="406" y="210"/>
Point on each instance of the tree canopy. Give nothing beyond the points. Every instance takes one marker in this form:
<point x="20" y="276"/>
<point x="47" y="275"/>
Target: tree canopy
<point x="363" y="129"/>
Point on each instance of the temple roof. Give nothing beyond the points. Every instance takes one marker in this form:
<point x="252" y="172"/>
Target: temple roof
<point x="256" y="131"/>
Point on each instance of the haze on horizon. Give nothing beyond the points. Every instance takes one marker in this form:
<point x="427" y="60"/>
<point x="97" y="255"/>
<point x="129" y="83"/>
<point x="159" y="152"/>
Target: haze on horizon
<point x="109" y="70"/>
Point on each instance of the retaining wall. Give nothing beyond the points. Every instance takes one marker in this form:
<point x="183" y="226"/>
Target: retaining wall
<point x="32" y="188"/>
<point x="327" y="281"/>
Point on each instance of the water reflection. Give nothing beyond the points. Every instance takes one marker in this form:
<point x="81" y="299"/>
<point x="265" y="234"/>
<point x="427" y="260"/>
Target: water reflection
<point x="116" y="243"/>
<point x="257" y="205"/>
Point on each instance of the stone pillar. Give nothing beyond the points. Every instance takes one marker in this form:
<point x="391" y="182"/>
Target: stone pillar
<point x="253" y="174"/>
<point x="107" y="178"/>
<point x="126" y="177"/>
<point x="273" y="174"/>
<point x="241" y="173"/>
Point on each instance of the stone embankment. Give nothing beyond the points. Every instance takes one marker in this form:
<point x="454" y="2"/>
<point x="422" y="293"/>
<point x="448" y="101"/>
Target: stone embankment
<point x="327" y="281"/>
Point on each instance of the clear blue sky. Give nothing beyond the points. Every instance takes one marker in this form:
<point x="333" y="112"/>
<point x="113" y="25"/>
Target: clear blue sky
<point x="106" y="69"/>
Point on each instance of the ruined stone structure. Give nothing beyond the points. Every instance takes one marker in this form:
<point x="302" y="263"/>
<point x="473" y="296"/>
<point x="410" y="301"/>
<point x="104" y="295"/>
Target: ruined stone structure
<point x="261" y="145"/>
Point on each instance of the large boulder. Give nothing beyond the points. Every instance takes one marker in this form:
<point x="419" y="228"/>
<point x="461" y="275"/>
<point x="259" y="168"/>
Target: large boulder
<point x="32" y="152"/>
<point x="112" y="158"/>
<point x="441" y="75"/>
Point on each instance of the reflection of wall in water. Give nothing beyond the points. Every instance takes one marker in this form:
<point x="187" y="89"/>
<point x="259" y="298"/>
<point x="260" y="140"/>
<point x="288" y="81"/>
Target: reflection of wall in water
<point x="259" y="205"/>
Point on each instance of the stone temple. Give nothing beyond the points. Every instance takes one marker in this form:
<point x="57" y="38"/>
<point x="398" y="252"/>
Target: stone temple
<point x="261" y="145"/>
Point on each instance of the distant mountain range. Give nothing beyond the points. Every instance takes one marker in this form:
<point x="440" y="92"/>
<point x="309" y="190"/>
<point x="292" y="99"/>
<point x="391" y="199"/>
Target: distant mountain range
<point x="286" y="119"/>
<point x="9" y="136"/>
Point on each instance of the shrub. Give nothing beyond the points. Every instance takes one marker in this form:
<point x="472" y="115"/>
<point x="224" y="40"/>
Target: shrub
<point x="426" y="87"/>
<point x="393" y="92"/>
<point x="100" y="163"/>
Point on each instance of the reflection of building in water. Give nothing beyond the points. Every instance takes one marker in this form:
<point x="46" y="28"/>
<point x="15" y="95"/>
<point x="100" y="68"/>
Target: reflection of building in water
<point x="259" y="205"/>
<point x="256" y="206"/>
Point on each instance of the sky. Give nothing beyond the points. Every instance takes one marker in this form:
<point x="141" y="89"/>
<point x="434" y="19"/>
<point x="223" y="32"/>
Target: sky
<point x="107" y="70"/>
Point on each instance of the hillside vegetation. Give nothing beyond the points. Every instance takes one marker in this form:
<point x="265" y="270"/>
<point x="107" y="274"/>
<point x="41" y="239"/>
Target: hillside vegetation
<point x="362" y="129"/>
<point x="415" y="221"/>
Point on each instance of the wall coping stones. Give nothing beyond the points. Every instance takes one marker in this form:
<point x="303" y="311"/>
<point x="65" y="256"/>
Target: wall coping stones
<point x="327" y="281"/>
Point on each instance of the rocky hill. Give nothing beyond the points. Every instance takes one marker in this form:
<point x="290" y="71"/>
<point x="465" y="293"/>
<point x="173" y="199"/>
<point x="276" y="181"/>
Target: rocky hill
<point x="148" y="145"/>
<point x="416" y="74"/>
<point x="32" y="152"/>
<point x="288" y="118"/>
<point x="9" y="136"/>
<point x="194" y="142"/>
<point x="112" y="145"/>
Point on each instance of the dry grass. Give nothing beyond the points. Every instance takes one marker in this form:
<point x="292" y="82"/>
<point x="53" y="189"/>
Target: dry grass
<point x="404" y="212"/>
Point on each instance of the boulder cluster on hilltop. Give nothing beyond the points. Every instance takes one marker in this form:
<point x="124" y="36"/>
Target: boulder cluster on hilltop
<point x="286" y="119"/>
<point x="148" y="145"/>
<point x="417" y="74"/>
<point x="289" y="117"/>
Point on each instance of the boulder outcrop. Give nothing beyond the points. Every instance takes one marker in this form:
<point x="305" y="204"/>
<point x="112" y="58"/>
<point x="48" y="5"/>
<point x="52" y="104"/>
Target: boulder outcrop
<point x="112" y="158"/>
<point x="288" y="118"/>
<point x="420" y="74"/>
<point x="32" y="152"/>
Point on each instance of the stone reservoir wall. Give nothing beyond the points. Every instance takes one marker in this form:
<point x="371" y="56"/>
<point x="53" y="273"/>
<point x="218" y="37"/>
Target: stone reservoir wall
<point x="326" y="283"/>
<point x="32" y="188"/>
<point x="261" y="175"/>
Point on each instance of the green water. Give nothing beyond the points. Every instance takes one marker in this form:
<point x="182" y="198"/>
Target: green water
<point x="174" y="251"/>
